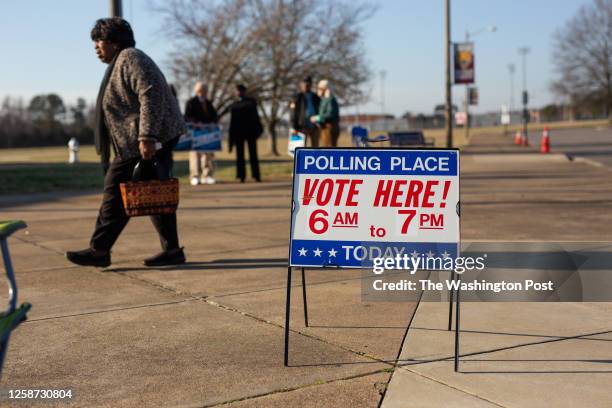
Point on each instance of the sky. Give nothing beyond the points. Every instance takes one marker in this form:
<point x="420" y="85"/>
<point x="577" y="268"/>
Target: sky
<point x="46" y="48"/>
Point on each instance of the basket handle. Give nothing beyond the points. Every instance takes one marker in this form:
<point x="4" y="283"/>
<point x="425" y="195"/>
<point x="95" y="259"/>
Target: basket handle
<point x="149" y="170"/>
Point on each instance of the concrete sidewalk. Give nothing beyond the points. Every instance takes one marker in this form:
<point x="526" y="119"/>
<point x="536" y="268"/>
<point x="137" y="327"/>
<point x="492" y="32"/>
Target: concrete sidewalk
<point x="516" y="354"/>
<point x="210" y="333"/>
<point x="207" y="333"/>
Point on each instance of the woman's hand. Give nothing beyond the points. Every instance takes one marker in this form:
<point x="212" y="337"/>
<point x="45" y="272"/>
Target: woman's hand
<point x="147" y="149"/>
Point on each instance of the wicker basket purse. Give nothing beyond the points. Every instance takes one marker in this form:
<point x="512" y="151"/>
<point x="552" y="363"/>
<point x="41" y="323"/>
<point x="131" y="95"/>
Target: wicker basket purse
<point x="149" y="197"/>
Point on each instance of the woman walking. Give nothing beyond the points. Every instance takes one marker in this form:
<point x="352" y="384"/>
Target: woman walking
<point x="138" y="116"/>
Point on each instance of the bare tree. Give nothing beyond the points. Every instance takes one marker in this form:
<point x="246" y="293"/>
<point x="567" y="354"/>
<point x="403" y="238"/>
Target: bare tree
<point x="583" y="57"/>
<point x="269" y="45"/>
<point x="212" y="44"/>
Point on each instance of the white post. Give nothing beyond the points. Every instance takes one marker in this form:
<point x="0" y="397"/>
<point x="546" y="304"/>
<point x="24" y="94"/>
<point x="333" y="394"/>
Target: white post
<point x="73" y="150"/>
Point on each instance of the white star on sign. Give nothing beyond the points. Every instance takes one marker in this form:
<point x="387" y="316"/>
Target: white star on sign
<point x="332" y="252"/>
<point x="317" y="252"/>
<point x="414" y="254"/>
<point x="430" y="254"/>
<point x="445" y="255"/>
<point x="302" y="251"/>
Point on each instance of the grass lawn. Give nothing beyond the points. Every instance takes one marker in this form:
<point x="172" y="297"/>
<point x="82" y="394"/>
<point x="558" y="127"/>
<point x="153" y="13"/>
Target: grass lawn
<point x="45" y="169"/>
<point x="47" y="177"/>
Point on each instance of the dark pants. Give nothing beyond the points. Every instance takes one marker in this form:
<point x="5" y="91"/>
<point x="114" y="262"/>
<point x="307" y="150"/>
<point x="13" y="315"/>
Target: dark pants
<point x="240" y="162"/>
<point x="112" y="218"/>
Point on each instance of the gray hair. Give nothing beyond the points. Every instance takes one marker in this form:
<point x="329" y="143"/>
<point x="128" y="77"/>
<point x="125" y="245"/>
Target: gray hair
<point x="324" y="83"/>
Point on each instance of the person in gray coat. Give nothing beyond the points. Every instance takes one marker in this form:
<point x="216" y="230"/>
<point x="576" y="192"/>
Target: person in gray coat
<point x="136" y="115"/>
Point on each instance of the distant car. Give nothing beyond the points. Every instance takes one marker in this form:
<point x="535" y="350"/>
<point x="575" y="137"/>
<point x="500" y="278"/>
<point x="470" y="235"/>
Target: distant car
<point x="414" y="138"/>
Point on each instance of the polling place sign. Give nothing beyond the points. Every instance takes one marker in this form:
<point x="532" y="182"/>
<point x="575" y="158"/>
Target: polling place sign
<point x="350" y="206"/>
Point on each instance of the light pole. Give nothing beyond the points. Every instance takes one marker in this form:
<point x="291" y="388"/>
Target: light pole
<point x="469" y="35"/>
<point x="523" y="51"/>
<point x="383" y="76"/>
<point x="448" y="111"/>
<point x="511" y="69"/>
<point x="115" y="8"/>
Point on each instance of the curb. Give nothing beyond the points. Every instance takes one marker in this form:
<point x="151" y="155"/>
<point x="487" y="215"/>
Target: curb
<point x="516" y="158"/>
<point x="584" y="160"/>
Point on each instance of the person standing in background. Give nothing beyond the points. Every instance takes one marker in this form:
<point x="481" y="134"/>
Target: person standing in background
<point x="304" y="106"/>
<point x="200" y="111"/>
<point x="245" y="126"/>
<point x="329" y="115"/>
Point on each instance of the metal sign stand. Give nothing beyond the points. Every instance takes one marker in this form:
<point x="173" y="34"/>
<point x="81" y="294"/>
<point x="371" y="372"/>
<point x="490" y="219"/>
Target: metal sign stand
<point x="457" y="318"/>
<point x="288" y="310"/>
<point x="457" y="328"/>
<point x="304" y="296"/>
<point x="287" y="316"/>
<point x="450" y="304"/>
<point x="305" y="300"/>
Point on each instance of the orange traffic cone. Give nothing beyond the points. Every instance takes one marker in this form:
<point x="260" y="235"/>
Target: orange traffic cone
<point x="525" y="140"/>
<point x="545" y="145"/>
<point x="518" y="139"/>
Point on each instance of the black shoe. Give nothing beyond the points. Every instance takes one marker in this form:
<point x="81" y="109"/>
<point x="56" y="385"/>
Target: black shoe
<point x="87" y="257"/>
<point x="171" y="257"/>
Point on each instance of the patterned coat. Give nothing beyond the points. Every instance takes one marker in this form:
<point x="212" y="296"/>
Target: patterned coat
<point x="138" y="104"/>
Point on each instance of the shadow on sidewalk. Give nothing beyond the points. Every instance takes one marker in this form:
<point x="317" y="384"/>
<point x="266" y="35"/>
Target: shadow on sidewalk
<point x="463" y="371"/>
<point x="578" y="337"/>
<point x="392" y="362"/>
<point x="356" y="327"/>
<point x="257" y="263"/>
<point x="548" y="339"/>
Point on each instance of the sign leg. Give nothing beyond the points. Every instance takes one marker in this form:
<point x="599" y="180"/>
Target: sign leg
<point x="457" y="330"/>
<point x="450" y="304"/>
<point x="12" y="295"/>
<point x="304" y="297"/>
<point x="287" y="316"/>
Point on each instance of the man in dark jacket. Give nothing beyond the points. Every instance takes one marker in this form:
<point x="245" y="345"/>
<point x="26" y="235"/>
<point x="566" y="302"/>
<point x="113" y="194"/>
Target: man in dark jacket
<point x="304" y="106"/>
<point x="199" y="110"/>
<point x="245" y="126"/>
<point x="139" y="117"/>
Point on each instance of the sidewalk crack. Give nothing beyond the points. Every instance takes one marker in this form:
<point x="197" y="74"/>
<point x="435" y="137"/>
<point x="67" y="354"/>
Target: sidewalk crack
<point x="290" y="389"/>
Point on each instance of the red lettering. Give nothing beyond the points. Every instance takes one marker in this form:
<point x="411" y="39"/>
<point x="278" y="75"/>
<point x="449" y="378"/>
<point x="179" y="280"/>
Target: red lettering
<point x="338" y="220"/>
<point x="428" y="193"/>
<point x="318" y="217"/>
<point x="346" y="219"/>
<point x="309" y="191"/>
<point x="322" y="191"/>
<point x="352" y="219"/>
<point x="414" y="189"/>
<point x="382" y="192"/>
<point x="397" y="193"/>
<point x="341" y="183"/>
<point x="325" y="192"/>
<point x="352" y="193"/>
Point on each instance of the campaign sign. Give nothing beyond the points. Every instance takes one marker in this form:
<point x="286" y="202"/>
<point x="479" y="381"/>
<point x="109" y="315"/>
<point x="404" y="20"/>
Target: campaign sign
<point x="184" y="142"/>
<point x="206" y="138"/>
<point x="296" y="139"/>
<point x="353" y="205"/>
